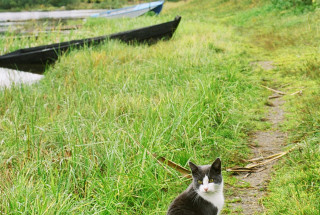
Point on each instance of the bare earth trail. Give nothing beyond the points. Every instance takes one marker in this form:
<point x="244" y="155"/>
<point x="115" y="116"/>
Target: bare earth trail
<point x="263" y="144"/>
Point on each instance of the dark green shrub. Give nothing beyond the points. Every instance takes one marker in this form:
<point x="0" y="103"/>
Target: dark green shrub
<point x="287" y="4"/>
<point x="8" y="4"/>
<point x="296" y="6"/>
<point x="59" y="3"/>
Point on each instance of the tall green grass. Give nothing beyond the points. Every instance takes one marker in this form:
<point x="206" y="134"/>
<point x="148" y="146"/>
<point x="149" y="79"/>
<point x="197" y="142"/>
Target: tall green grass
<point x="78" y="141"/>
<point x="295" y="185"/>
<point x="289" y="39"/>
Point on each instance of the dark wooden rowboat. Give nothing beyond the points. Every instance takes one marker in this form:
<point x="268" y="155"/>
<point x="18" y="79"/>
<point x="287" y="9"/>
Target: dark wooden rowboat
<point x="36" y="59"/>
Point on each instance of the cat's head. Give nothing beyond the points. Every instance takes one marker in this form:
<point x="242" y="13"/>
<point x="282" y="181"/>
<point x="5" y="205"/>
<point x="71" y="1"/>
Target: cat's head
<point x="207" y="179"/>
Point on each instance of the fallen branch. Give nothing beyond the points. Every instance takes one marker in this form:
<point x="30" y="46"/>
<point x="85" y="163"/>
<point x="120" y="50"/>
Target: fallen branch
<point x="164" y="162"/>
<point x="264" y="158"/>
<point x="274" y="97"/>
<point x="259" y="163"/>
<point x="273" y="90"/>
<point x="185" y="172"/>
<point x="298" y="92"/>
<point x="265" y="162"/>
<point x="244" y="169"/>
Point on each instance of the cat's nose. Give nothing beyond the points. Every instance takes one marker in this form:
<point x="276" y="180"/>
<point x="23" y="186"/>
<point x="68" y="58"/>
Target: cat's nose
<point x="205" y="189"/>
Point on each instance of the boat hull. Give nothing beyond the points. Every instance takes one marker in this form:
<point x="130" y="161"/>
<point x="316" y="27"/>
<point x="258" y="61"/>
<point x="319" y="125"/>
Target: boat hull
<point x="133" y="11"/>
<point x="37" y="59"/>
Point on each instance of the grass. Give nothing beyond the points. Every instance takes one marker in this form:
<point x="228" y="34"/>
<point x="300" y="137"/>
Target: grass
<point x="68" y="145"/>
<point x="291" y="43"/>
<point x="69" y="142"/>
<point x="294" y="189"/>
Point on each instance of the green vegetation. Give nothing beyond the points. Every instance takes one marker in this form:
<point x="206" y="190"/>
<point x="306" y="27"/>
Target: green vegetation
<point x="286" y="4"/>
<point x="8" y="4"/>
<point x="290" y="40"/>
<point x="70" y="142"/>
<point x="77" y="142"/>
<point x="55" y="4"/>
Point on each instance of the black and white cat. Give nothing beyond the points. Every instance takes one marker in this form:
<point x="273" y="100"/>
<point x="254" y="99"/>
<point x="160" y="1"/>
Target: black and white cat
<point x="204" y="196"/>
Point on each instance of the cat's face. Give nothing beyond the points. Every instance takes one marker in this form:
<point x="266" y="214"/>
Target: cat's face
<point x="207" y="179"/>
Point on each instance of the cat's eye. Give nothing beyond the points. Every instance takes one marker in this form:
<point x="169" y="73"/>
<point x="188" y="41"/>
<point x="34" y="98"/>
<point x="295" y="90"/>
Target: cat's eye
<point x="211" y="180"/>
<point x="199" y="182"/>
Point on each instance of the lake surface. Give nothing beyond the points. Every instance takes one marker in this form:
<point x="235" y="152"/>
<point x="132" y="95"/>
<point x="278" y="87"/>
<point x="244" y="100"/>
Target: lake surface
<point x="31" y="15"/>
<point x="15" y="21"/>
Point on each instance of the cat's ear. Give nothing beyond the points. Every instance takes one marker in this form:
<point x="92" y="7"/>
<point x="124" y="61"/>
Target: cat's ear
<point x="216" y="165"/>
<point x="194" y="168"/>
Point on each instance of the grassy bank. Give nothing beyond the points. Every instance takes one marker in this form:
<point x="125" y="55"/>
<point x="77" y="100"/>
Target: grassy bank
<point x="69" y="143"/>
<point x="288" y="37"/>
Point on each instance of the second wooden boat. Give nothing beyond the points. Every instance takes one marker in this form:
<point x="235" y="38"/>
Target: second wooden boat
<point x="133" y="11"/>
<point x="36" y="59"/>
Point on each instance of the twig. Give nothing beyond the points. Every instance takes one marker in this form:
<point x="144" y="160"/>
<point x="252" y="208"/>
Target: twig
<point x="241" y="169"/>
<point x="162" y="160"/>
<point x="255" y="159"/>
<point x="274" y="97"/>
<point x="185" y="172"/>
<point x="271" y="158"/>
<point x="298" y="92"/>
<point x="247" y="175"/>
<point x="253" y="167"/>
<point x="149" y="153"/>
<point x="273" y="90"/>
<point x="264" y="158"/>
<point x="284" y="85"/>
<point x="267" y="161"/>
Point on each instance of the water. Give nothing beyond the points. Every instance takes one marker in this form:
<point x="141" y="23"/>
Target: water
<point x="9" y="77"/>
<point x="17" y="21"/>
<point x="30" y="15"/>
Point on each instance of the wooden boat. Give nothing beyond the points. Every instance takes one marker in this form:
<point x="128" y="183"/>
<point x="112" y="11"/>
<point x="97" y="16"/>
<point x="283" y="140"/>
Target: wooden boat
<point x="36" y="59"/>
<point x="133" y="11"/>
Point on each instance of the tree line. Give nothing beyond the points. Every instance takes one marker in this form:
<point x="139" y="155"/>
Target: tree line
<point x="10" y="4"/>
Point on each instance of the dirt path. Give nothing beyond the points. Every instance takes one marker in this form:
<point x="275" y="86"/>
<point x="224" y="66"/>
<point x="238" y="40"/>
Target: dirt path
<point x="264" y="143"/>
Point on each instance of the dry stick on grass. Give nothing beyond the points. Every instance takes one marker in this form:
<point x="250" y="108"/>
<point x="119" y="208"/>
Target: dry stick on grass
<point x="258" y="170"/>
<point x="274" y="97"/>
<point x="186" y="173"/>
<point x="244" y="169"/>
<point x="267" y="161"/>
<point x="292" y="94"/>
<point x="164" y="161"/>
<point x="254" y="167"/>
<point x="264" y="158"/>
<point x="298" y="92"/>
<point x="273" y="90"/>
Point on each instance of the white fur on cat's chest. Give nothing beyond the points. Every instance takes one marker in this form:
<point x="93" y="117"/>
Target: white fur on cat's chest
<point x="216" y="196"/>
<point x="216" y="199"/>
